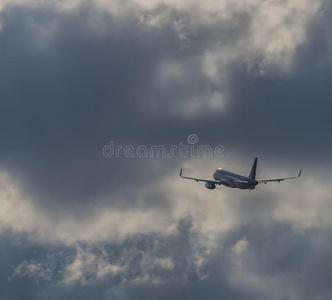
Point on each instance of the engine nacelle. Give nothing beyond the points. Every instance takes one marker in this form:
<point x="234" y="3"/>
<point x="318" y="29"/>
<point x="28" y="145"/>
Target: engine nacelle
<point x="210" y="185"/>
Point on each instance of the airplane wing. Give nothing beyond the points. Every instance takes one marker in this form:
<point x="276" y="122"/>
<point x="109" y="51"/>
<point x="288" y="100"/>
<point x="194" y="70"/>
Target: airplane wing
<point x="278" y="179"/>
<point x="203" y="180"/>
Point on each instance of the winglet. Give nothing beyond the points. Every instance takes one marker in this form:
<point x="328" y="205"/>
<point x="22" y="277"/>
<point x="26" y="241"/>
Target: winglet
<point x="299" y="173"/>
<point x="181" y="172"/>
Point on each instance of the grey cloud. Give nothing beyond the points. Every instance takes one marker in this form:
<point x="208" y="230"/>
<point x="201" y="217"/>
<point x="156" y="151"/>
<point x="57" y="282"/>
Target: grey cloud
<point x="276" y="262"/>
<point x="73" y="80"/>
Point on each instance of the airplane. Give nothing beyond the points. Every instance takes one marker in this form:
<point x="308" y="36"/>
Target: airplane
<point x="234" y="180"/>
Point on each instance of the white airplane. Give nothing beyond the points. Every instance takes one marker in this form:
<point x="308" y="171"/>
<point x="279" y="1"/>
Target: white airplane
<point x="234" y="180"/>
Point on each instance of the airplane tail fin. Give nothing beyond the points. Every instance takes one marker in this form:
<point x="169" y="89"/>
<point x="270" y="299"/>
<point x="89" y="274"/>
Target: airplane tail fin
<point x="253" y="169"/>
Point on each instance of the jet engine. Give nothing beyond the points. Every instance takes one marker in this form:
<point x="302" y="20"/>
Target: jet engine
<point x="210" y="185"/>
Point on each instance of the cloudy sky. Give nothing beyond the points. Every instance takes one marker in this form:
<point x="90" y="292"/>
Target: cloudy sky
<point x="250" y="78"/>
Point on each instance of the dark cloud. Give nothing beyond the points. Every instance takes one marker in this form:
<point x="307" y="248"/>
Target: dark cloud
<point x="276" y="262"/>
<point x="71" y="81"/>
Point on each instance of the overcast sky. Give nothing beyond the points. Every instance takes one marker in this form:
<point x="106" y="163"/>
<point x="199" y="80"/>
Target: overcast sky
<point x="250" y="78"/>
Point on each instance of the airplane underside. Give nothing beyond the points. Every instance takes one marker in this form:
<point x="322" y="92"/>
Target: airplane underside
<point x="241" y="186"/>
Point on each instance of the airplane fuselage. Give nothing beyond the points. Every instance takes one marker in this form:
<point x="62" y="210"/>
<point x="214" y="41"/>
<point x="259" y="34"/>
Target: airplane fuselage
<point x="234" y="180"/>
